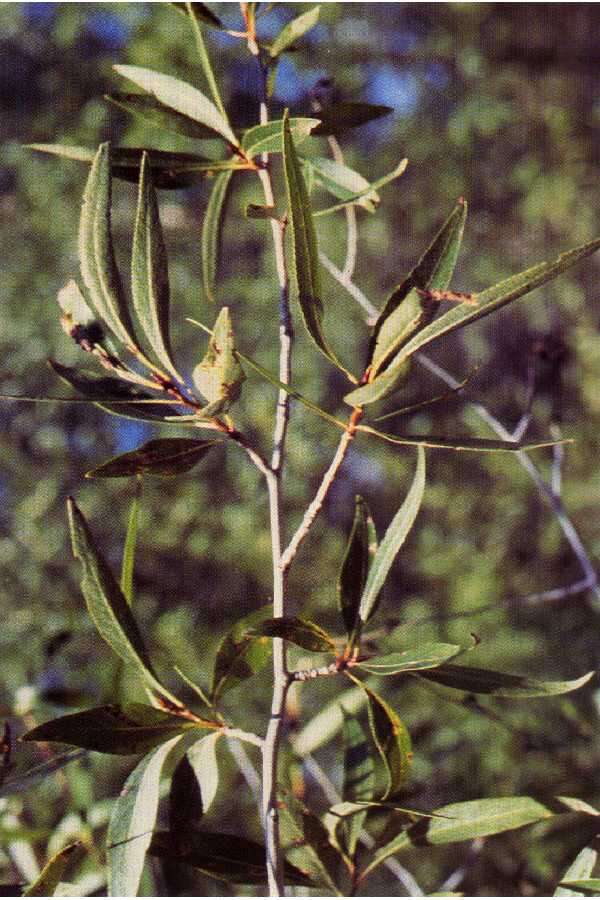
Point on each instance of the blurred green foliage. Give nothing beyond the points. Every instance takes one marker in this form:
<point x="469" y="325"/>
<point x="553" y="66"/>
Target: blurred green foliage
<point x="496" y="102"/>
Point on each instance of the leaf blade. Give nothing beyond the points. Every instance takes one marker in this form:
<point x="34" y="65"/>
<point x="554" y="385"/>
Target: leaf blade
<point x="52" y="874"/>
<point x="297" y="631"/>
<point x="294" y="30"/>
<point x="426" y="656"/>
<point x="500" y="684"/>
<point x="164" y="457"/>
<point x="391" y="739"/>
<point x="268" y="138"/>
<point x="212" y="227"/>
<point x="360" y="548"/>
<point x="580" y="869"/>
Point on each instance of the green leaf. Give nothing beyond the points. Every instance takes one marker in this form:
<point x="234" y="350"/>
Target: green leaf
<point x="294" y="30"/>
<point x="149" y="272"/>
<point x="316" y="838"/>
<point x="212" y="227"/>
<point x="477" y="445"/>
<point x="373" y="186"/>
<point x="107" y="606"/>
<point x="165" y="457"/>
<point x="304" y="246"/>
<point x="132" y="822"/>
<point x="219" y="377"/>
<point x="193" y="785"/>
<point x="584" y="886"/>
<point x="113" y="395"/>
<point x="496" y="297"/>
<point x="328" y="721"/>
<point x="425" y="656"/>
<point x="128" y="561"/>
<point x="341" y="117"/>
<point x="580" y="870"/>
<point x="150" y="110"/>
<point x="202" y="757"/>
<point x="96" y="253"/>
<point x="180" y="96"/>
<point x="22" y="782"/>
<point x="269" y="139"/>
<point x="392" y="542"/>
<point x="349" y="809"/>
<point x="240" y="656"/>
<point x="121" y="730"/>
<point x="360" y="551"/>
<point x="465" y="821"/>
<point x="297" y="631"/>
<point x="343" y="182"/>
<point x="484" y="681"/>
<point x="225" y="857"/>
<point x="52" y="874"/>
<point x="201" y="12"/>
<point x="391" y="739"/>
<point x="359" y="781"/>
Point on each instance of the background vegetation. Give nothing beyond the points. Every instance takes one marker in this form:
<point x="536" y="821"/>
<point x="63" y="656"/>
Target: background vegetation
<point x="494" y="102"/>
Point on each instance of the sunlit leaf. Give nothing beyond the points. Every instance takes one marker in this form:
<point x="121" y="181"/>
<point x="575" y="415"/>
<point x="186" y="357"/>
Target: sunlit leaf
<point x="297" y="631"/>
<point x="580" y="870"/>
<point x="73" y="304"/>
<point x="122" y="730"/>
<point x="391" y="739"/>
<point x="52" y="874"/>
<point x="240" y="655"/>
<point x="202" y="757"/>
<point x="373" y="186"/>
<point x="583" y="887"/>
<point x="219" y="377"/>
<point x="294" y="30"/>
<point x="162" y="456"/>
<point x="359" y="780"/>
<point x="328" y="721"/>
<point x="360" y="551"/>
<point x="341" y="116"/>
<point x="268" y="138"/>
<point x="132" y="822"/>
<point x="225" y="857"/>
<point x="304" y="246"/>
<point x="499" y="684"/>
<point x="150" y="110"/>
<point x="149" y="272"/>
<point x="212" y="227"/>
<point x="425" y="656"/>
<point x="106" y="604"/>
<point x="180" y="96"/>
<point x="343" y="182"/>
<point x="393" y="540"/>
<point x="129" y="548"/>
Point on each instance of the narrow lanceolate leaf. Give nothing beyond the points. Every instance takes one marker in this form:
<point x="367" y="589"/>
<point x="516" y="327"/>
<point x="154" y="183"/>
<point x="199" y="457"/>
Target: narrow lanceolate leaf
<point x="52" y="874"/>
<point x="583" y="887"/>
<point x="122" y="730"/>
<point x="340" y="117"/>
<point x="219" y="377"/>
<point x="149" y="272"/>
<point x="580" y="870"/>
<point x="304" y="245"/>
<point x="392" y="542"/>
<point x="465" y="821"/>
<point x="499" y="684"/>
<point x="294" y="30"/>
<point x="150" y="110"/>
<point x="426" y="656"/>
<point x="240" y="655"/>
<point x="163" y="456"/>
<point x="360" y="551"/>
<point x="359" y="781"/>
<point x="496" y="297"/>
<point x="106" y="604"/>
<point x="477" y="445"/>
<point x="406" y="311"/>
<point x="96" y="252"/>
<point x="113" y="395"/>
<point x="268" y="138"/>
<point x="212" y="228"/>
<point x="22" y="782"/>
<point x="129" y="548"/>
<point x="373" y="186"/>
<point x="297" y="631"/>
<point x="343" y="182"/>
<point x="225" y="857"/>
<point x="181" y="97"/>
<point x="202" y="757"/>
<point x="391" y="739"/>
<point x="132" y="822"/>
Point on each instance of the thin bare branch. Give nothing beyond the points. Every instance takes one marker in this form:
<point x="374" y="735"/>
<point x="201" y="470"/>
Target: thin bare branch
<point x="348" y="285"/>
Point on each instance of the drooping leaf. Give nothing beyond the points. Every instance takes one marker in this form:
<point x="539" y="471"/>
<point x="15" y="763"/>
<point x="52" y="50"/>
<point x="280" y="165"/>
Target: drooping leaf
<point x="395" y="536"/>
<point x="225" y="857"/>
<point x="149" y="272"/>
<point x="18" y="784"/>
<point x="308" y="845"/>
<point x="343" y="182"/>
<point x="150" y="110"/>
<point x="494" y="298"/>
<point x="391" y="739"/>
<point x="268" y="138"/>
<point x="360" y="551"/>
<point x="52" y="874"/>
<point x="163" y="456"/>
<point x="425" y="656"/>
<point x="212" y="227"/>
<point x="96" y="252"/>
<point x="341" y="116"/>
<point x="580" y="870"/>
<point x="107" y="606"/>
<point x="359" y="781"/>
<point x="219" y="377"/>
<point x="373" y="186"/>
<point x="115" y="396"/>
<point x="499" y="684"/>
<point x="121" y="730"/>
<point x="130" y="545"/>
<point x="584" y="887"/>
<point x="304" y="246"/>
<point x="180" y="96"/>
<point x="297" y="631"/>
<point x="294" y="30"/>
<point x="132" y="822"/>
<point x="200" y="12"/>
<point x="317" y="840"/>
<point x="240" y="655"/>
<point x="202" y="757"/>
